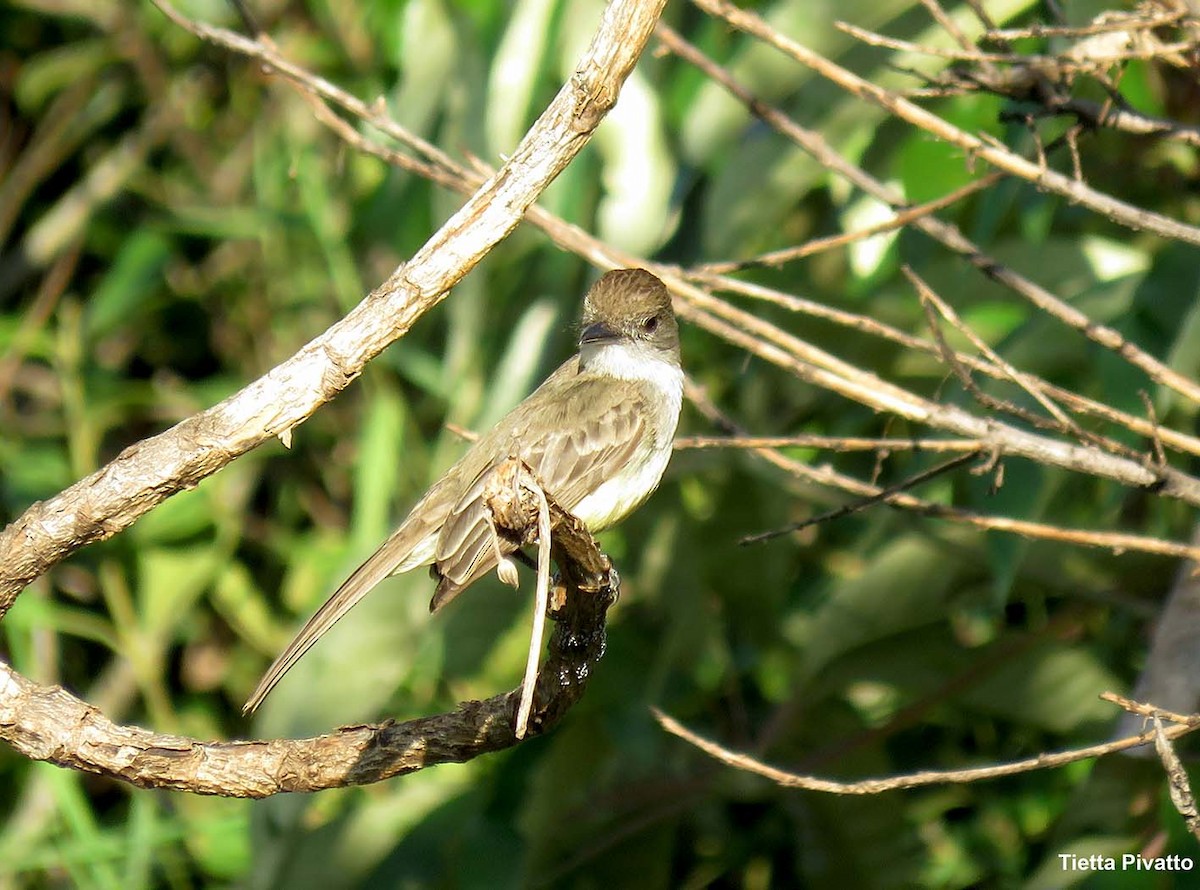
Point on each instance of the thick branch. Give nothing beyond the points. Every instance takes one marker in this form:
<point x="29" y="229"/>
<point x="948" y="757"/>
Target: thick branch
<point x="48" y="723"/>
<point x="145" y="474"/>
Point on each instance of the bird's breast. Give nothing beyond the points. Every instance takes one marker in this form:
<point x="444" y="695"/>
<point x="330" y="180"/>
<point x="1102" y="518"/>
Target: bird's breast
<point x="627" y="489"/>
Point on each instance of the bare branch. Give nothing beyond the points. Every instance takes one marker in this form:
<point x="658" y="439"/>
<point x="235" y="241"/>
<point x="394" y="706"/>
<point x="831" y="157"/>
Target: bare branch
<point x="1119" y="211"/>
<point x="834" y="443"/>
<point x="948" y="235"/>
<point x="948" y="24"/>
<point x="873" y="327"/>
<point x="1097" y="59"/>
<point x="912" y="780"/>
<point x="882" y="495"/>
<point x="1113" y="22"/>
<point x="820" y="245"/>
<point x="1178" y="785"/>
<point x="816" y="366"/>
<point x="48" y="723"/>
<point x="827" y="476"/>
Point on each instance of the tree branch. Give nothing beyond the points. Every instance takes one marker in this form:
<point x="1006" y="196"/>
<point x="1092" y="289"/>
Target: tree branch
<point x="1078" y="192"/>
<point x="48" y="723"/>
<point x="921" y="779"/>
<point x="947" y="234"/>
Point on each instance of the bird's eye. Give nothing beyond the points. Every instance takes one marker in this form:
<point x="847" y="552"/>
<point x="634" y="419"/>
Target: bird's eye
<point x="650" y="325"/>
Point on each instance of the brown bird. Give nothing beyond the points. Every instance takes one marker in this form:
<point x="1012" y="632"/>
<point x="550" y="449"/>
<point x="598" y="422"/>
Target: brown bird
<point x="597" y="435"/>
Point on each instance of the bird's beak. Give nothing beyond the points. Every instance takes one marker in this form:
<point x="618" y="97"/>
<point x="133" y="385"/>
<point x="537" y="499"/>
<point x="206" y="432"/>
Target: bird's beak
<point x="598" y="332"/>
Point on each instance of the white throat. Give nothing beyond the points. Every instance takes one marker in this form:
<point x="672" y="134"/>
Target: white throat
<point x="631" y="361"/>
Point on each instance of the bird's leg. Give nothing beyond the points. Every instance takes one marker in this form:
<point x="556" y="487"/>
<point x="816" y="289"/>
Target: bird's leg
<point x="524" y="559"/>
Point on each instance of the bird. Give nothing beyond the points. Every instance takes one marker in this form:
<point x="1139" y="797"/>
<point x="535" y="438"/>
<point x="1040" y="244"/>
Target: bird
<point x="597" y="434"/>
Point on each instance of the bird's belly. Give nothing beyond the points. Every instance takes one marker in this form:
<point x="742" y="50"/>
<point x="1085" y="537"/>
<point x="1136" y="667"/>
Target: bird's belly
<point x="619" y="496"/>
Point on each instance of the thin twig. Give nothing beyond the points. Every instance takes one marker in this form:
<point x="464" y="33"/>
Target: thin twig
<point x="948" y="24"/>
<point x="1026" y="381"/>
<point x="903" y="217"/>
<point x="876" y="328"/>
<point x="1060" y="62"/>
<point x="1124" y="22"/>
<point x="1060" y="423"/>
<point x="826" y="476"/>
<point x="1178" y="785"/>
<point x="882" y="495"/>
<point x="1119" y="211"/>
<point x="1147" y="710"/>
<point x="913" y="780"/>
<point x="833" y="443"/>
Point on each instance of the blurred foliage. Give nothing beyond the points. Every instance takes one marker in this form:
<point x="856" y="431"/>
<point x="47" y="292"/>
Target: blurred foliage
<point x="173" y="223"/>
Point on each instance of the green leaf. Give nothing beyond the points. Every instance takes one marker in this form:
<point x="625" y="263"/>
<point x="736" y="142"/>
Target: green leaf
<point x="170" y="581"/>
<point x="515" y="71"/>
<point x="53" y="70"/>
<point x="134" y="279"/>
<point x="1053" y="686"/>
<point x="182" y="517"/>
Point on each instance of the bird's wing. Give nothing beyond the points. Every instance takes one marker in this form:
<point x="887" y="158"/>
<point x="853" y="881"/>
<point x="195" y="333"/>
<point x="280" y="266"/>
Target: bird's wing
<point x="571" y="461"/>
<point x="400" y="552"/>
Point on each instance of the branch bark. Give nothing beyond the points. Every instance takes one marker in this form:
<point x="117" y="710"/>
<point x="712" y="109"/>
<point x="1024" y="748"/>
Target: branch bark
<point x="787" y="779"/>
<point x="48" y="723"/>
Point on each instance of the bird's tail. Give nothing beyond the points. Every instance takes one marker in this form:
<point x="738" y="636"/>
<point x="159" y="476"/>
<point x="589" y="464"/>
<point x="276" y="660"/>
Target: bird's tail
<point x="396" y="555"/>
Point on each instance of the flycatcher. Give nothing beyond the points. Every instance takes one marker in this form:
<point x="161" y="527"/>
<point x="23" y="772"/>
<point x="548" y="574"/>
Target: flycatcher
<point x="597" y="435"/>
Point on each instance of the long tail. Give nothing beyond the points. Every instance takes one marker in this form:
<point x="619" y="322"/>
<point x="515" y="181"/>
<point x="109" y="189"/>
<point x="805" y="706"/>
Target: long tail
<point x="396" y="555"/>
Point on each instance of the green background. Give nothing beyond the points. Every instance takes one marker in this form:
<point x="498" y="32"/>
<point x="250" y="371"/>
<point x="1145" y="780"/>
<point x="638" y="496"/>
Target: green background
<point x="174" y="222"/>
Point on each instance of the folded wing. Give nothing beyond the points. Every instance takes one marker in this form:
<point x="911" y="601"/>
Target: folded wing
<point x="571" y="461"/>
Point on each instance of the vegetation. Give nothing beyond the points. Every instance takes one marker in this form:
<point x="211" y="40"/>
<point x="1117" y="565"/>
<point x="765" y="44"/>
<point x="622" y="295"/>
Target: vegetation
<point x="175" y="221"/>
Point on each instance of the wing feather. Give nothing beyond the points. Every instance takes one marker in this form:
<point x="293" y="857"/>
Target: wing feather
<point x="571" y="459"/>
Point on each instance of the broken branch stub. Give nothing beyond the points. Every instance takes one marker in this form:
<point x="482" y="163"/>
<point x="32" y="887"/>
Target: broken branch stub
<point x="510" y="493"/>
<point x="583" y="589"/>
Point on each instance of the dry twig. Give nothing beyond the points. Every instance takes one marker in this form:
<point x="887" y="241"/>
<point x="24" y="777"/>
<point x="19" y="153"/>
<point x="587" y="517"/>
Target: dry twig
<point x="915" y="780"/>
<point x="828" y="477"/>
<point x="949" y="235"/>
